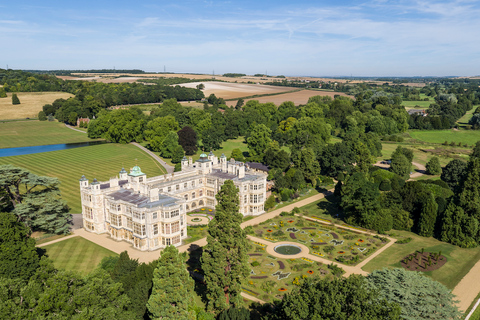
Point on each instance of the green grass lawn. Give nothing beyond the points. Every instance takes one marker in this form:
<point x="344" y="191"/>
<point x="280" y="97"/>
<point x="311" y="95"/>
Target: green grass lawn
<point x="416" y="104"/>
<point x="439" y="136"/>
<point x="463" y="121"/>
<point x="77" y="254"/>
<point x="459" y="260"/>
<point x="34" y="133"/>
<point x="100" y="161"/>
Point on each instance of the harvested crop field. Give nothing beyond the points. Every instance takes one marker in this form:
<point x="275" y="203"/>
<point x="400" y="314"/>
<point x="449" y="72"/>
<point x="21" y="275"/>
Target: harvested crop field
<point x="228" y="90"/>
<point x="30" y="104"/>
<point x="299" y="97"/>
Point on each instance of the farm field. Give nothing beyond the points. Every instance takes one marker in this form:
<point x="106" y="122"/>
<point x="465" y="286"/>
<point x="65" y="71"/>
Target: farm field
<point x="30" y="104"/>
<point x="469" y="137"/>
<point x="459" y="260"/>
<point x="299" y="97"/>
<point x="77" y="254"/>
<point x="36" y="133"/>
<point x="228" y="90"/>
<point x="100" y="161"/>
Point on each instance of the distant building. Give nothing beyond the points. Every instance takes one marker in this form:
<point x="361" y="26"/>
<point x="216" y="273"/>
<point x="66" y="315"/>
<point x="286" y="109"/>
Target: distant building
<point x="84" y="120"/>
<point x="150" y="213"/>
<point x="417" y="111"/>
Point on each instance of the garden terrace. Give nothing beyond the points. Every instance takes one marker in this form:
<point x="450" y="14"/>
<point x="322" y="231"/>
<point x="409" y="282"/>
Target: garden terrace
<point x="272" y="277"/>
<point x="322" y="239"/>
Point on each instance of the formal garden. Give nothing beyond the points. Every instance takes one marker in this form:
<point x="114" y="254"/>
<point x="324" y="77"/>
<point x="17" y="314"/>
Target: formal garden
<point x="198" y="225"/>
<point x="272" y="277"/>
<point x="321" y="237"/>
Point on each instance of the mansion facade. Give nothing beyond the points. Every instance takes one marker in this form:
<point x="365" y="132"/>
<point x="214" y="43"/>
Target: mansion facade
<point x="151" y="212"/>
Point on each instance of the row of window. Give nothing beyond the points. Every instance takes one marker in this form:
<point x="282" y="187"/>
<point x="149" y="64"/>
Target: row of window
<point x="86" y="197"/>
<point x="169" y="241"/>
<point x="185" y="185"/>
<point x="167" y="228"/>
<point x="254" y="198"/>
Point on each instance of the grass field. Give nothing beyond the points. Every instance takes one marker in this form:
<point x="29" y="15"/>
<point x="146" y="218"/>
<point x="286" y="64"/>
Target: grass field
<point x="30" y="104"/>
<point x="35" y="133"/>
<point x="459" y="260"/>
<point x="100" y="161"/>
<point x="463" y="121"/>
<point x="439" y="136"/>
<point x="77" y="254"/>
<point x="421" y="155"/>
<point x="414" y="104"/>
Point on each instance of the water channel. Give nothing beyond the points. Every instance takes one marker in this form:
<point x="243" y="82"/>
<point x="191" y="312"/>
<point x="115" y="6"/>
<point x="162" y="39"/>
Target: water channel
<point x="10" y="152"/>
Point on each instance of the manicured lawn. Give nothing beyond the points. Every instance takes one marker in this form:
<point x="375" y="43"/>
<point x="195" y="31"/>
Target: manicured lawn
<point x="439" y="136"/>
<point x="268" y="274"/>
<point x="35" y="133"/>
<point x="459" y="260"/>
<point x="100" y="161"/>
<point x="77" y="254"/>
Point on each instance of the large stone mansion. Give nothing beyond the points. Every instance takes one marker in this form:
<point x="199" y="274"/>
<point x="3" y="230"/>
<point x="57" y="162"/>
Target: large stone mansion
<point x="151" y="212"/>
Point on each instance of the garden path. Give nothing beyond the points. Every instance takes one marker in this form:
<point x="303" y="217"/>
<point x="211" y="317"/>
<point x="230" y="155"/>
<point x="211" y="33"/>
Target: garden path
<point x="421" y="170"/>
<point x="70" y="127"/>
<point x="467" y="289"/>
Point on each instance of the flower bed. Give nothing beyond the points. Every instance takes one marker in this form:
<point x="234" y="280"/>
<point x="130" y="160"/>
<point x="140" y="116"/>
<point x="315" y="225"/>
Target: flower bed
<point x="326" y="240"/>
<point x="269" y="274"/>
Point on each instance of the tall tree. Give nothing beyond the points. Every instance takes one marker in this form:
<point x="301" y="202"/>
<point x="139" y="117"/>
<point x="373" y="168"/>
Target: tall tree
<point x="433" y="166"/>
<point x="400" y="165"/>
<point x="340" y="298"/>
<point x="172" y="292"/>
<point x="187" y="138"/>
<point x="18" y="254"/>
<point x="34" y="199"/>
<point x="224" y="259"/>
<point x="419" y="296"/>
<point x="453" y="173"/>
<point x="469" y="197"/>
<point x="260" y="138"/>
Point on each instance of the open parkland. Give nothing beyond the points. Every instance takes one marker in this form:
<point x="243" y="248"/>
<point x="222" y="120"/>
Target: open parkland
<point x="313" y="227"/>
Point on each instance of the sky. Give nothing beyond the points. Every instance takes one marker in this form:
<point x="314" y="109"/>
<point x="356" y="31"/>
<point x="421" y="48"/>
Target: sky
<point x="292" y="38"/>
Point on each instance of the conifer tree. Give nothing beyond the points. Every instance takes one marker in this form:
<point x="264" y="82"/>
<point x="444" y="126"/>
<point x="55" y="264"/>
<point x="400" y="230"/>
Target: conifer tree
<point x="172" y="292"/>
<point x="224" y="259"/>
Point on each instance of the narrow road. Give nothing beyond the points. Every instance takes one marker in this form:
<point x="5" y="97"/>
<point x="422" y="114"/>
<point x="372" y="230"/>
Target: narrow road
<point x="467" y="289"/>
<point x="70" y="127"/>
<point x="167" y="167"/>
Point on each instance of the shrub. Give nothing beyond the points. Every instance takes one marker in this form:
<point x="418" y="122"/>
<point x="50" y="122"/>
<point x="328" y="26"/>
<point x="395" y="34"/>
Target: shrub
<point x="406" y="240"/>
<point x="270" y="203"/>
<point x="255" y="264"/>
<point x="15" y="99"/>
<point x="433" y="166"/>
<point x="42" y="116"/>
